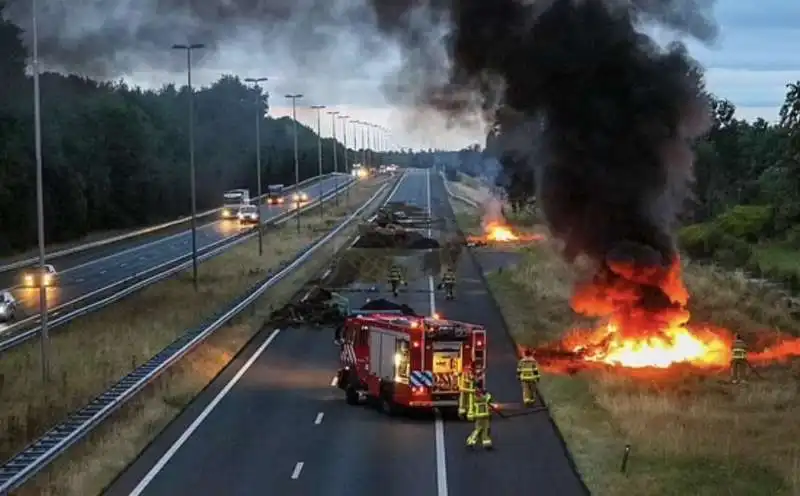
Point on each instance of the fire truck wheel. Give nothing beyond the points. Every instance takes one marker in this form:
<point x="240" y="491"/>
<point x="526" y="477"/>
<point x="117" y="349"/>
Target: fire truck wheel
<point x="387" y="403"/>
<point x="351" y="395"/>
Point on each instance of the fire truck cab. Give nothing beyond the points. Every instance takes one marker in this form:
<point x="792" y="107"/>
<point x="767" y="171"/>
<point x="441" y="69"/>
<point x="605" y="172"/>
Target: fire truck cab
<point x="400" y="361"/>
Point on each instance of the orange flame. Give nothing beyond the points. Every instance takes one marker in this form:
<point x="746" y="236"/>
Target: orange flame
<point x="498" y="232"/>
<point x="636" y="337"/>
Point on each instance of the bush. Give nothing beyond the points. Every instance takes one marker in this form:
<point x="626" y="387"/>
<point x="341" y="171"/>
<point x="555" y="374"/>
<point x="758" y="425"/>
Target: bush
<point x="708" y="240"/>
<point x="746" y="222"/>
<point x="699" y="240"/>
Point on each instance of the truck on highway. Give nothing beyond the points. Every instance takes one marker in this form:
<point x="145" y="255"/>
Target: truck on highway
<point x="275" y="194"/>
<point x="233" y="200"/>
<point x="407" y="362"/>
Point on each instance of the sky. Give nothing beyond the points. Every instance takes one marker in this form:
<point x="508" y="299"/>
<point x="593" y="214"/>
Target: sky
<point x="750" y="64"/>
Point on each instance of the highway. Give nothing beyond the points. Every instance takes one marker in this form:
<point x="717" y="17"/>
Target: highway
<point x="273" y="422"/>
<point x="79" y="277"/>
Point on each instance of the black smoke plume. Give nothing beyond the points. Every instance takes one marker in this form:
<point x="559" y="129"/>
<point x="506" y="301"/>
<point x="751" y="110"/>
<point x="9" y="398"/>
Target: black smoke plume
<point x="603" y="114"/>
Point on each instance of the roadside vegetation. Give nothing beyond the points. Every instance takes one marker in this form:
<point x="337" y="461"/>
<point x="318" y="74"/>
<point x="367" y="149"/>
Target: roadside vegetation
<point x="689" y="434"/>
<point x="97" y="350"/>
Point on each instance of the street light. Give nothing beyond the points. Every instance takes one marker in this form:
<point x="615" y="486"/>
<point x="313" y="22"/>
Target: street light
<point x="37" y="118"/>
<point x="363" y="142"/>
<point x="294" y="98"/>
<point x="193" y="179"/>
<point x="333" y="115"/>
<point x="319" y="109"/>
<point x="344" y="145"/>
<point x="259" y="116"/>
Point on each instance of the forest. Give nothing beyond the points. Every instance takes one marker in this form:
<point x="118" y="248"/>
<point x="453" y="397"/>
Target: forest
<point x="116" y="157"/>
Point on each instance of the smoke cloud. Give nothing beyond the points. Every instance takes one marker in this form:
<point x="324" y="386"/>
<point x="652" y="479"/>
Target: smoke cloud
<point x="110" y="38"/>
<point x="605" y="116"/>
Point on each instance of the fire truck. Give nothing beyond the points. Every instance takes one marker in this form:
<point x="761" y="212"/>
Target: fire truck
<point x="406" y="362"/>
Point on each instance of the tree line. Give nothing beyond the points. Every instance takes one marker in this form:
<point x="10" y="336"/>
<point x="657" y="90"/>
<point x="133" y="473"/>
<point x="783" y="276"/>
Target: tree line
<point x="117" y="157"/>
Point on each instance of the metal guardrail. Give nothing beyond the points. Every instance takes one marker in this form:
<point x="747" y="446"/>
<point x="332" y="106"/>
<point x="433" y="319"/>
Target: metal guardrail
<point x="21" y="264"/>
<point x="161" y="272"/>
<point x="57" y="440"/>
<point x="450" y="192"/>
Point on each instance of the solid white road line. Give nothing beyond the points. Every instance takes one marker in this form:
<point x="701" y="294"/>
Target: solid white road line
<point x="159" y="466"/>
<point x="297" y="469"/>
<point x="318" y="420"/>
<point x="438" y="424"/>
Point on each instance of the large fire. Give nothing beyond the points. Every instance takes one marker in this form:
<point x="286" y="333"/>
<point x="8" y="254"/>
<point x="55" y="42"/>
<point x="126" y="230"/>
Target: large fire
<point x="658" y="337"/>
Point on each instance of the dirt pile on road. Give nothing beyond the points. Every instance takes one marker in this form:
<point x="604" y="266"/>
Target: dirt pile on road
<point x="397" y="225"/>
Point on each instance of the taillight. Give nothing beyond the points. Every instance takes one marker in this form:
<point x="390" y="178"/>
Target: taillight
<point x="415" y="344"/>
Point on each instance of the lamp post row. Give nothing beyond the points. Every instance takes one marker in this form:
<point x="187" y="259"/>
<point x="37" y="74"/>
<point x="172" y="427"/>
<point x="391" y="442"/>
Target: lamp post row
<point x="189" y="49"/>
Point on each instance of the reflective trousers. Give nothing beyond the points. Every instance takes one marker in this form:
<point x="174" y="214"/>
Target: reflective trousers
<point x="481" y="433"/>
<point x="465" y="399"/>
<point x="528" y="392"/>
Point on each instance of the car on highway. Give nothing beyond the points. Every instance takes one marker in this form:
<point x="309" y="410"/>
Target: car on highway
<point x="46" y="278"/>
<point x="8" y="306"/>
<point x="275" y="194"/>
<point x="248" y="214"/>
<point x="300" y="197"/>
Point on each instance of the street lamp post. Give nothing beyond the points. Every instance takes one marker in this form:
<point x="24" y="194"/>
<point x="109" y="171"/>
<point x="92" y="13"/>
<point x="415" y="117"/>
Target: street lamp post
<point x="37" y="118"/>
<point x="362" y="125"/>
<point x="346" y="164"/>
<point x="333" y="115"/>
<point x="193" y="178"/>
<point x="319" y="109"/>
<point x="259" y="116"/>
<point x="294" y="98"/>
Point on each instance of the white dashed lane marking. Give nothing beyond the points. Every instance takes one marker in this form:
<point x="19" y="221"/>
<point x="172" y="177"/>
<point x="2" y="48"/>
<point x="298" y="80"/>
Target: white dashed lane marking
<point x="297" y="469"/>
<point x="318" y="420"/>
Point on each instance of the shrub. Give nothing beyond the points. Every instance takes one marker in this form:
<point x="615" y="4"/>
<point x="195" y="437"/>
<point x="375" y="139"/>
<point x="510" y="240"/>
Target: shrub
<point x="746" y="222"/>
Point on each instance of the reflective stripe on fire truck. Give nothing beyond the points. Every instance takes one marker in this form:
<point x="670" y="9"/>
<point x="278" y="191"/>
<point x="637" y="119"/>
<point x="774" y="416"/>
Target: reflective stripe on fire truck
<point x="421" y="378"/>
<point x="348" y="354"/>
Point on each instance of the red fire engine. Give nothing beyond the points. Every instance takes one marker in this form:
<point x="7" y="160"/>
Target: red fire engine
<point x="401" y="361"/>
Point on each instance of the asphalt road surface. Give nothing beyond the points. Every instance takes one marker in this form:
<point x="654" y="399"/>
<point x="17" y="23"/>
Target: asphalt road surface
<point x="273" y="422"/>
<point x="90" y="276"/>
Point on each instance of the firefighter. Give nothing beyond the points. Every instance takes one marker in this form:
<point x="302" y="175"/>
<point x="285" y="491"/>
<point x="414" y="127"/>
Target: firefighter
<point x="528" y="375"/>
<point x="395" y="278"/>
<point x="738" y="359"/>
<point x="483" y="415"/>
<point x="466" y="390"/>
<point x="449" y="283"/>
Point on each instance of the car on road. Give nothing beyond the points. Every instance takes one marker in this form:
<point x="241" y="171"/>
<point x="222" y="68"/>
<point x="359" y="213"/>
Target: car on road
<point x="275" y="194"/>
<point x="8" y="306"/>
<point x="46" y="278"/>
<point x="300" y="197"/>
<point x="248" y="214"/>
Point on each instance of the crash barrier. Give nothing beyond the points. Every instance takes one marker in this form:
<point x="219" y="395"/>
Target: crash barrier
<point x="464" y="199"/>
<point x="79" y="424"/>
<point x="17" y="334"/>
<point x="147" y="230"/>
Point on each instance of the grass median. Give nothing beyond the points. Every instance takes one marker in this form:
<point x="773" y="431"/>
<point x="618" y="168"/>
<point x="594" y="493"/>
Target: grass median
<point x="94" y="352"/>
<point x="689" y="434"/>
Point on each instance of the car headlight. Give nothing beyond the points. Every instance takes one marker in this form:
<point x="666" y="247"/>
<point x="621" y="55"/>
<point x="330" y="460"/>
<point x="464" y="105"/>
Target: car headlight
<point x="226" y="213"/>
<point x="3" y="308"/>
